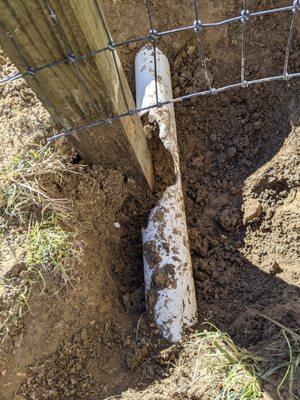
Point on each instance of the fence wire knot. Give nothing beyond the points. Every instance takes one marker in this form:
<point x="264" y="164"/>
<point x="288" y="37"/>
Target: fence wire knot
<point x="71" y="58"/>
<point x="31" y="71"/>
<point x="111" y="46"/>
<point x="296" y="5"/>
<point x="153" y="34"/>
<point x="52" y="13"/>
<point x="197" y="25"/>
<point x="245" y="15"/>
<point x="214" y="91"/>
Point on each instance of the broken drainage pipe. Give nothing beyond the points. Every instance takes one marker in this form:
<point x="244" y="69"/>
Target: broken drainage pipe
<point x="169" y="284"/>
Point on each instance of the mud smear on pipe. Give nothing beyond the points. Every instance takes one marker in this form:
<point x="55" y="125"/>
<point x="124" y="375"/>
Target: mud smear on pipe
<point x="169" y="284"/>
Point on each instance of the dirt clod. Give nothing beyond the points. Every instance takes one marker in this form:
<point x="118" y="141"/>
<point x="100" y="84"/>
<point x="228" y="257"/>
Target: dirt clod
<point x="252" y="210"/>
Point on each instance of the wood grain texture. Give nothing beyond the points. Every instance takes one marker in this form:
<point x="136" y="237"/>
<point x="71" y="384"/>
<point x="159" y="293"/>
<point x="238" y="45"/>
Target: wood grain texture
<point x="81" y="92"/>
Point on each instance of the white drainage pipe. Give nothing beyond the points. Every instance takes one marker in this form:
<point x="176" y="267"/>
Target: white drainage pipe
<point x="169" y="284"/>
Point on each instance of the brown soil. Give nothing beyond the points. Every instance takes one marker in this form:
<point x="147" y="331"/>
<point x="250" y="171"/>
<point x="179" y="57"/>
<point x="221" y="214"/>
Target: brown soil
<point x="240" y="167"/>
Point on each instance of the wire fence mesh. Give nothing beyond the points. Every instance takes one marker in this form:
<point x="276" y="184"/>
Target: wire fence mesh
<point x="32" y="72"/>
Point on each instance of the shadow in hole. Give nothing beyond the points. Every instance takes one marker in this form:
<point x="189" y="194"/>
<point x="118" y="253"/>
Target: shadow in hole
<point x="223" y="142"/>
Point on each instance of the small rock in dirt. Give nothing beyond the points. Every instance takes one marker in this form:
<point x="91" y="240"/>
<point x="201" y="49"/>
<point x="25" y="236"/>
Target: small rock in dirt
<point x="198" y="161"/>
<point x="167" y="355"/>
<point x="117" y="225"/>
<point x="258" y="124"/>
<point x="190" y="49"/>
<point x="228" y="218"/>
<point x="247" y="163"/>
<point x="234" y="190"/>
<point x="231" y="152"/>
<point x="84" y="334"/>
<point x="252" y="210"/>
<point x="177" y="91"/>
<point x="213" y="137"/>
<point x="275" y="269"/>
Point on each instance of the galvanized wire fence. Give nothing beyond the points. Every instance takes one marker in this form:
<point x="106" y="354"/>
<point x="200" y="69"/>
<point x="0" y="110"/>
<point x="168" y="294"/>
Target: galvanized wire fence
<point x="153" y="36"/>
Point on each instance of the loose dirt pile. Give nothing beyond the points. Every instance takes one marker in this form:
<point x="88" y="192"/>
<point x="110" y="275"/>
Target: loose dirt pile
<point x="240" y="169"/>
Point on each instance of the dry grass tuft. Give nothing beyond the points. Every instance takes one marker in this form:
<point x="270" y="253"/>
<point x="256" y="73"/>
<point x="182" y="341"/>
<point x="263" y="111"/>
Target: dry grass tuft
<point x="50" y="249"/>
<point x="282" y="360"/>
<point x="229" y="372"/>
<point x="32" y="220"/>
<point x="23" y="195"/>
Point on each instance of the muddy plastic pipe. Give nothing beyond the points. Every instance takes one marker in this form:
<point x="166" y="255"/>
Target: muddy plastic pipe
<point x="169" y="284"/>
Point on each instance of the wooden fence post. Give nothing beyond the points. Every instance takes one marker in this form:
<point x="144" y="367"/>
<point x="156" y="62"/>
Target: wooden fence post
<point x="37" y="32"/>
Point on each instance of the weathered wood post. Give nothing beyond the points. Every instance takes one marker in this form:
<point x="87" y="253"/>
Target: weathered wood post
<point x="80" y="90"/>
